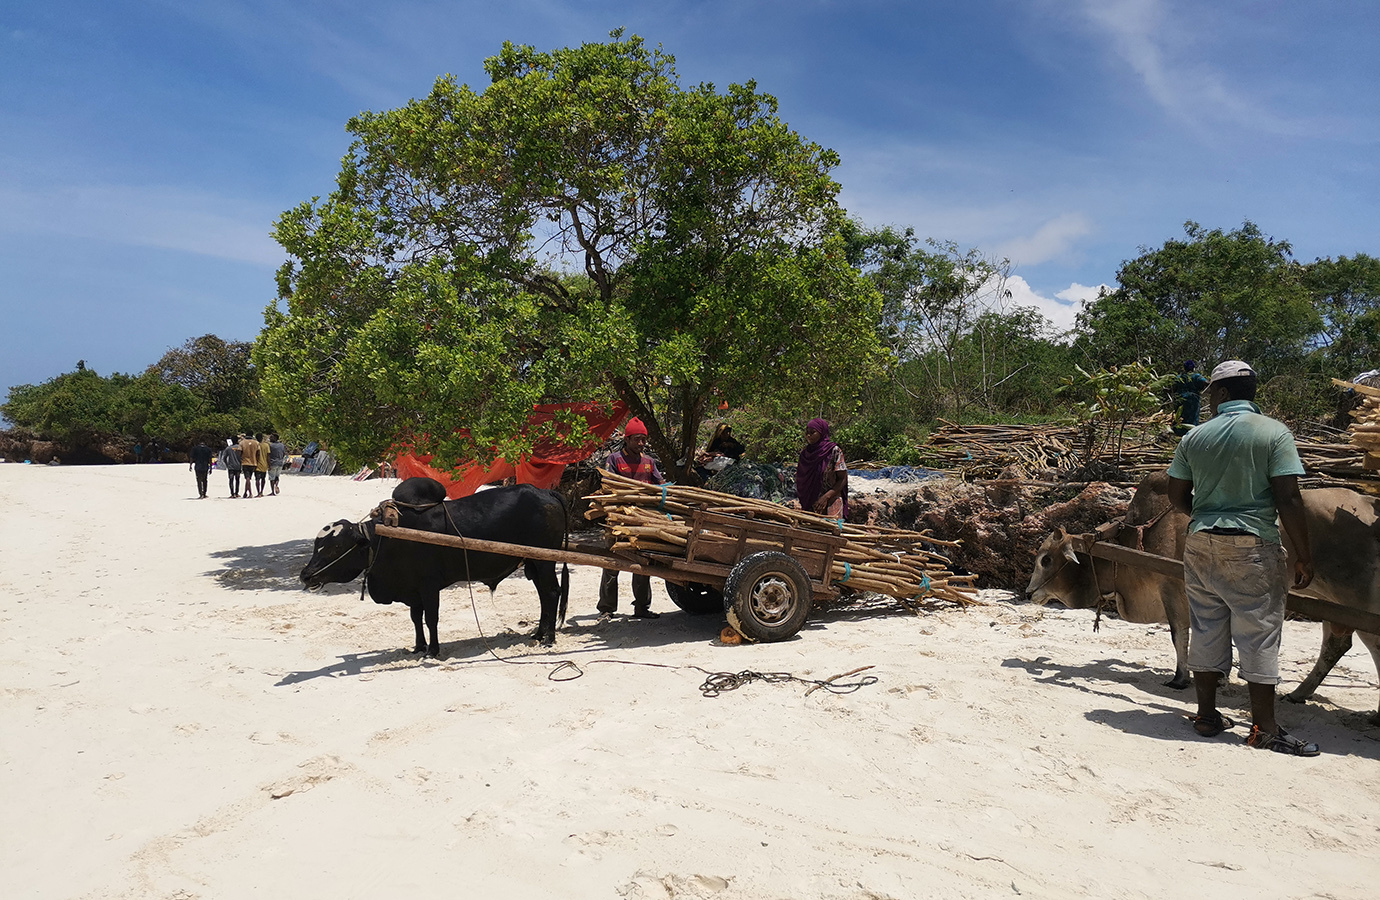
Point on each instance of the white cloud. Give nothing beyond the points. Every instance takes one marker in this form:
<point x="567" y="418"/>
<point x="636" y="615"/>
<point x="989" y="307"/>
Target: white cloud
<point x="1050" y="241"/>
<point x="1059" y="309"/>
<point x="162" y="217"/>
<point x="1082" y="293"/>
<point x="1143" y="34"/>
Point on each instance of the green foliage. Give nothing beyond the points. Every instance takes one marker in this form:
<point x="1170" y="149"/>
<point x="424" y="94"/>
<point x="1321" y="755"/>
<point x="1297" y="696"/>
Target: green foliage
<point x="83" y="409"/>
<point x="77" y="407"/>
<point x="219" y="372"/>
<point x="1215" y="295"/>
<point x="1109" y="400"/>
<point x="1346" y="292"/>
<point x="201" y="391"/>
<point x="428" y="298"/>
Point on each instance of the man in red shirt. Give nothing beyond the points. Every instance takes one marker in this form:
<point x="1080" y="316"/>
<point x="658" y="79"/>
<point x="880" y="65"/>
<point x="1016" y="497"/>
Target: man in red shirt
<point x="631" y="462"/>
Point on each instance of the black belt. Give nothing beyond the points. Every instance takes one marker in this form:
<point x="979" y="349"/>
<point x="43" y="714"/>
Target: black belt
<point x="1236" y="531"/>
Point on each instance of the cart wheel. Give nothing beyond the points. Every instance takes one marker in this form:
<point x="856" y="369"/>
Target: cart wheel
<point x="695" y="598"/>
<point x="768" y="596"/>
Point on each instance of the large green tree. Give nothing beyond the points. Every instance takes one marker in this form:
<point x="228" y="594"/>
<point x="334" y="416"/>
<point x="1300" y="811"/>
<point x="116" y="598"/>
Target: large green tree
<point x="214" y="369"/>
<point x="1211" y="296"/>
<point x="582" y="228"/>
<point x="944" y="316"/>
<point x="1346" y="291"/>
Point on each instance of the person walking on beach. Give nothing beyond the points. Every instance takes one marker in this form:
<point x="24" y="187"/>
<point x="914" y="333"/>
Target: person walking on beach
<point x="249" y="458"/>
<point x="277" y="454"/>
<point x="1233" y="476"/>
<point x="230" y="458"/>
<point x="261" y="464"/>
<point x="631" y="462"/>
<point x="200" y="460"/>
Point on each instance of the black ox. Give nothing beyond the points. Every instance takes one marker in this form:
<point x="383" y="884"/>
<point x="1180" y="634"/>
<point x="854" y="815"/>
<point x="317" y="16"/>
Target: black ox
<point x="401" y="571"/>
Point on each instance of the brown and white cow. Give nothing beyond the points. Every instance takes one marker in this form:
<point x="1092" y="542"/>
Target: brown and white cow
<point x="1344" y="531"/>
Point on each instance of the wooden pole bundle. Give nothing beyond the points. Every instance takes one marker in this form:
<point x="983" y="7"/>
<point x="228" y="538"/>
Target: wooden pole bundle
<point x="649" y="518"/>
<point x="1365" y="430"/>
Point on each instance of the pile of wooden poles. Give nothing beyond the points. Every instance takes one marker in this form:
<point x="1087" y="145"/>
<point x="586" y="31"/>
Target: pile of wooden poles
<point x="1365" y="429"/>
<point x="987" y="451"/>
<point x="984" y="451"/>
<point x="657" y="519"/>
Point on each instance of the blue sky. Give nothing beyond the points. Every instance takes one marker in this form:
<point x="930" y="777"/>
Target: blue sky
<point x="147" y="147"/>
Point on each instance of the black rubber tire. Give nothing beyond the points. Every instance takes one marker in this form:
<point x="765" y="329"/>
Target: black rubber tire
<point x="768" y="596"/>
<point x="695" y="598"/>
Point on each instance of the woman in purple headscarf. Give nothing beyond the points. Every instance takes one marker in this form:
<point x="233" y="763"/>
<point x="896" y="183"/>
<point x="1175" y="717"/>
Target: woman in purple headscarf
<point x="821" y="478"/>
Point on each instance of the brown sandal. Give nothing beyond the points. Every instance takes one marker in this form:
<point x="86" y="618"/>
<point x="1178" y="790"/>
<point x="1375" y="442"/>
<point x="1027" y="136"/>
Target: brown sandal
<point x="1212" y="724"/>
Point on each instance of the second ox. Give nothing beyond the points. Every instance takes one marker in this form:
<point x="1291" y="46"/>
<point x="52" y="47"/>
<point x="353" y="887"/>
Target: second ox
<point x="1344" y="531"/>
<point x="414" y="573"/>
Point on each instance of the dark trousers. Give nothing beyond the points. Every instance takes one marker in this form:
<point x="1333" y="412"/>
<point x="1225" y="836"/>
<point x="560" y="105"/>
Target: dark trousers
<point x="201" y="473"/>
<point x="608" y="591"/>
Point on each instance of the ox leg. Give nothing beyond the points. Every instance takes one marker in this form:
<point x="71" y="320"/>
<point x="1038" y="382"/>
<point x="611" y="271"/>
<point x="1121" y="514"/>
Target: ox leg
<point x="543" y="577"/>
<point x="416" y="609"/>
<point x="1336" y="642"/>
<point x="1372" y="642"/>
<point x="432" y="608"/>
<point x="1176" y="612"/>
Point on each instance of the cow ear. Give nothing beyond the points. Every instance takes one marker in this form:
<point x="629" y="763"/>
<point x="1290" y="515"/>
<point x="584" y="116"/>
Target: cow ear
<point x="1058" y="534"/>
<point x="1070" y="554"/>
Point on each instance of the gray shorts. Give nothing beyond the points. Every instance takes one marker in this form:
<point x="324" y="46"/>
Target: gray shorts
<point x="274" y="472"/>
<point x="1236" y="588"/>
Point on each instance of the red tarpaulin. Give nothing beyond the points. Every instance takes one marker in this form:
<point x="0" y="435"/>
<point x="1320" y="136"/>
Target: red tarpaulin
<point x="542" y="468"/>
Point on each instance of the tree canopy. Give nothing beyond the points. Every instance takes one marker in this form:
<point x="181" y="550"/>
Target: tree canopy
<point x="583" y="228"/>
<point x="1212" y="296"/>
<point x="205" y="389"/>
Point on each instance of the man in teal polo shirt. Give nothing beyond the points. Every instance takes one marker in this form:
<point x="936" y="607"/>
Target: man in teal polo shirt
<point x="1233" y="477"/>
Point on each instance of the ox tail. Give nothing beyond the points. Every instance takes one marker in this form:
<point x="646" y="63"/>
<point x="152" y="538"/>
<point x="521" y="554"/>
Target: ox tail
<point x="565" y="567"/>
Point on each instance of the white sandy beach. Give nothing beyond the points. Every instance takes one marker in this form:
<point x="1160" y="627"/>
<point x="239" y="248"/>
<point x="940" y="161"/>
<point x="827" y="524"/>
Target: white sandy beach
<point x="181" y="720"/>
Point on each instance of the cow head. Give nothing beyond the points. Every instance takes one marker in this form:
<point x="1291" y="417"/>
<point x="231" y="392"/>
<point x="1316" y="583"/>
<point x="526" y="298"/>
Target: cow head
<point x="1060" y="576"/>
<point x="340" y="554"/>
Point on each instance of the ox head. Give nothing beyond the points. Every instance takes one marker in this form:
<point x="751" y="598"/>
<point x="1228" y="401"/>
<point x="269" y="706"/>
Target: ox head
<point x="1060" y="576"/>
<point x="340" y="554"/>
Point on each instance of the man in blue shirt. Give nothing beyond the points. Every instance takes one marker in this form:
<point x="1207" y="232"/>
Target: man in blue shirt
<point x="1233" y="477"/>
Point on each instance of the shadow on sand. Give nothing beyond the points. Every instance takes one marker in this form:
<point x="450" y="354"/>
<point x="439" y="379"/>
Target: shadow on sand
<point x="267" y="568"/>
<point x="1161" y="711"/>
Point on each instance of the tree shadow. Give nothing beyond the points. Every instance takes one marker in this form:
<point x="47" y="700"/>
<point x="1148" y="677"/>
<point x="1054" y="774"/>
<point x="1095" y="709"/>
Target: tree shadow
<point x="274" y="567"/>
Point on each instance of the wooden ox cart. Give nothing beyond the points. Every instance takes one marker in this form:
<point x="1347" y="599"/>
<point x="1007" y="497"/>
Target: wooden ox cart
<point x="762" y="565"/>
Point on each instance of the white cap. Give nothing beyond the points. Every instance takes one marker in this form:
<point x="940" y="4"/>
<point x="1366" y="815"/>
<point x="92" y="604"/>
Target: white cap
<point x="1232" y="368"/>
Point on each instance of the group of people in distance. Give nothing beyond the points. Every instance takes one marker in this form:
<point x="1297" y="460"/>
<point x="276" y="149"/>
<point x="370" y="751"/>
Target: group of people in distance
<point x="259" y="458"/>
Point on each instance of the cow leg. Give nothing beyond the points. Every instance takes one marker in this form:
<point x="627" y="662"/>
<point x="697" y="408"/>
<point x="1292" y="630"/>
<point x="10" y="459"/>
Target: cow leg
<point x="1336" y="642"/>
<point x="1176" y="612"/>
<point x="432" y="607"/>
<point x="543" y="577"/>
<point x="1372" y="642"/>
<point x="416" y="608"/>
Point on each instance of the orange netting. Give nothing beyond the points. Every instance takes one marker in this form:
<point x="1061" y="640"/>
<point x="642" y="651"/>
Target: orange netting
<point x="543" y="467"/>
